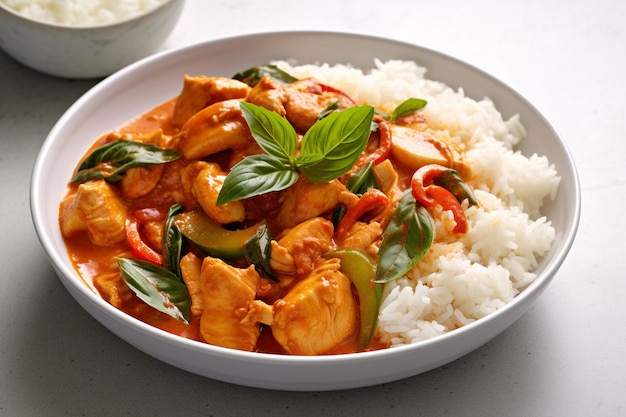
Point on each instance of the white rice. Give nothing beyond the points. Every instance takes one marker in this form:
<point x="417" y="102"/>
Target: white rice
<point x="460" y="281"/>
<point x="81" y="12"/>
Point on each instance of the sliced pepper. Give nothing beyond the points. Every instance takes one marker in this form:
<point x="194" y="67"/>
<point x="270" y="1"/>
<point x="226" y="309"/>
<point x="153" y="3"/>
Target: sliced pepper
<point x="211" y="237"/>
<point x="140" y="248"/>
<point x="438" y="185"/>
<point x="447" y="201"/>
<point x="360" y="268"/>
<point x="384" y="143"/>
<point x="368" y="201"/>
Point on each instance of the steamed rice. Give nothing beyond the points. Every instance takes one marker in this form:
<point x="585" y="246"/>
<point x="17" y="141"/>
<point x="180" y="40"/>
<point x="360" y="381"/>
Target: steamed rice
<point x="82" y="12"/>
<point x="461" y="279"/>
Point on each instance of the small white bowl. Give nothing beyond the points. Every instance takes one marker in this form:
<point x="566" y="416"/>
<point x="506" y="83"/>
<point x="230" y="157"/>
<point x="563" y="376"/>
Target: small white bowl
<point x="134" y="90"/>
<point x="86" y="51"/>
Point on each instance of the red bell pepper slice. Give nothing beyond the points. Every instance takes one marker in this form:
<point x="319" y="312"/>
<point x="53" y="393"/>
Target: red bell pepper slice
<point x="384" y="145"/>
<point x="368" y="201"/>
<point x="140" y="249"/>
<point x="430" y="195"/>
<point x="447" y="201"/>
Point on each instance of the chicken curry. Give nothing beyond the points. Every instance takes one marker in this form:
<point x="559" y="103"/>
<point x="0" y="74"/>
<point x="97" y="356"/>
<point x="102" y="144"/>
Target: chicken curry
<point x="261" y="212"/>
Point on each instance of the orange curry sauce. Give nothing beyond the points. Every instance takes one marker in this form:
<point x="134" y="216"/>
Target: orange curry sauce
<point x="91" y="260"/>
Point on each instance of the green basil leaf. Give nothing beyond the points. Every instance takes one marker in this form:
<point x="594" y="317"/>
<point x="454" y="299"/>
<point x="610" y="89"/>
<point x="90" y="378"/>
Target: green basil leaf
<point x="407" y="107"/>
<point x="272" y="132"/>
<point x="359" y="182"/>
<point x="451" y="181"/>
<point x="362" y="180"/>
<point x="172" y="241"/>
<point x="111" y="160"/>
<point x="157" y="287"/>
<point x="256" y="175"/>
<point x="328" y="110"/>
<point x="406" y="240"/>
<point x="252" y="76"/>
<point x="258" y="251"/>
<point x="382" y="113"/>
<point x="336" y="141"/>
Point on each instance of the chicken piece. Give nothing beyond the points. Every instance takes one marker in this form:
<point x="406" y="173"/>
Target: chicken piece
<point x="307" y="100"/>
<point x="215" y="128"/>
<point x="188" y="176"/>
<point x="152" y="233"/>
<point x="206" y="188"/>
<point x="298" y="248"/>
<point x="96" y="208"/>
<point x="318" y="313"/>
<point x="191" y="271"/>
<point x="112" y="288"/>
<point x="361" y="236"/>
<point x="270" y="94"/>
<point x="415" y="148"/>
<point x="301" y="102"/>
<point x="227" y="294"/>
<point x="305" y="200"/>
<point x="200" y="92"/>
<point x="139" y="181"/>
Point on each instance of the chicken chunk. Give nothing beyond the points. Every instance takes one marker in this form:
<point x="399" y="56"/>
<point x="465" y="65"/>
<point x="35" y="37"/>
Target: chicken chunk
<point x="361" y="236"/>
<point x="191" y="271"/>
<point x="318" y="313"/>
<point x="307" y="100"/>
<point x="215" y="128"/>
<point x="200" y="92"/>
<point x="301" y="102"/>
<point x="305" y="200"/>
<point x="139" y="181"/>
<point x="112" y="288"/>
<point x="188" y="176"/>
<point x="298" y="248"/>
<point x="270" y="94"/>
<point x="206" y="187"/>
<point x="228" y="294"/>
<point x="96" y="208"/>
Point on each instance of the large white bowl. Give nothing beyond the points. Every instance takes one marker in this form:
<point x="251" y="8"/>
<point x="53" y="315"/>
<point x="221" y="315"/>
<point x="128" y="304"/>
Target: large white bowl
<point x="86" y="51"/>
<point x="137" y="88"/>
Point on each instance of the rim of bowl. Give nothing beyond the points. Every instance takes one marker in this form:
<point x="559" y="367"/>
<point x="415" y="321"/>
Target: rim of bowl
<point x="60" y="266"/>
<point x="65" y="26"/>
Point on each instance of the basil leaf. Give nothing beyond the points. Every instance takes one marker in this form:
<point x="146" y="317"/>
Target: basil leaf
<point x="328" y="110"/>
<point x="172" y="241"/>
<point x="272" y="132"/>
<point x="256" y="175"/>
<point x="451" y="181"/>
<point x="406" y="240"/>
<point x="336" y="142"/>
<point x="252" y="76"/>
<point x="157" y="287"/>
<point x="359" y="182"/>
<point x="111" y="160"/>
<point x="407" y="107"/>
<point x="362" y="180"/>
<point x="258" y="251"/>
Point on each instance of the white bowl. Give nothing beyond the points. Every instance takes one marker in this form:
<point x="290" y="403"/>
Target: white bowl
<point x="139" y="87"/>
<point x="86" y="51"/>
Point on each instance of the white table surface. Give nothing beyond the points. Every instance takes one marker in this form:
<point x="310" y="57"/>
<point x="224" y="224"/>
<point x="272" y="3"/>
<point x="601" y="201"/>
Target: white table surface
<point x="565" y="357"/>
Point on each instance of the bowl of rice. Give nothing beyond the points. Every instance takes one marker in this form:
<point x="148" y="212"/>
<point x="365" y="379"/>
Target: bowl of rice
<point x="463" y="293"/>
<point x="84" y="39"/>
